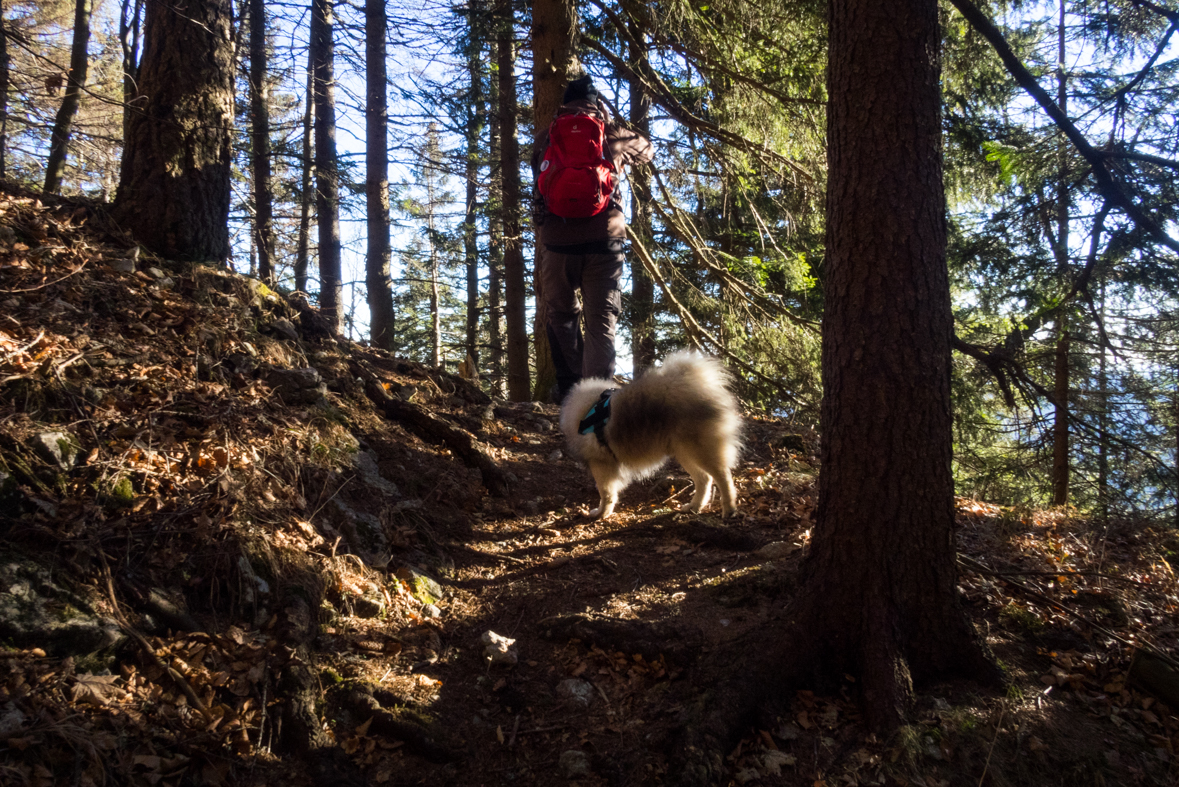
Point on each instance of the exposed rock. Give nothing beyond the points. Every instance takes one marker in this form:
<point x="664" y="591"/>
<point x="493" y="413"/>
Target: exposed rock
<point x="362" y="529"/>
<point x="297" y="386"/>
<point x="574" y="764"/>
<point x="576" y="691"/>
<point x="776" y="550"/>
<point x="57" y="448"/>
<point x="366" y="463"/>
<point x="37" y="611"/>
<point x="423" y="588"/>
<point x="285" y="328"/>
<point x="499" y="649"/>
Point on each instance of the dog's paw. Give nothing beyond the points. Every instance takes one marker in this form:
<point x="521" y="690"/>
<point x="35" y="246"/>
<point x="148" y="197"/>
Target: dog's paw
<point x="593" y="513"/>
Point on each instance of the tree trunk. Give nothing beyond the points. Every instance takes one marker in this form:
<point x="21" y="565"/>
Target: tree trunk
<point x="59" y="138"/>
<point x="474" y="130"/>
<point x="327" y="176"/>
<point x="302" y="244"/>
<point x="495" y="234"/>
<point x="174" y="185"/>
<point x="130" y="17"/>
<point x="4" y="83"/>
<point x="1102" y="416"/>
<point x="554" y="57"/>
<point x="260" y="139"/>
<point x="519" y="389"/>
<point x="879" y="597"/>
<point x="378" y="282"/>
<point x="642" y="286"/>
<point x="1060" y="436"/>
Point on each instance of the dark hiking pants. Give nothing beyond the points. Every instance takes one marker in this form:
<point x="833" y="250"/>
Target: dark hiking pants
<point x="596" y="275"/>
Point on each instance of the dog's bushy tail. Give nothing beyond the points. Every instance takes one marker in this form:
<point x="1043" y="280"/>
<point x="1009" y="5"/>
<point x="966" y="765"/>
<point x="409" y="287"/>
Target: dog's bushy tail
<point x="690" y="372"/>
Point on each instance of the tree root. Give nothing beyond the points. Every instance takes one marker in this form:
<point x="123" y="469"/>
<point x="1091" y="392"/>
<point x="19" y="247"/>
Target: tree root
<point x="430" y="427"/>
<point x="358" y="701"/>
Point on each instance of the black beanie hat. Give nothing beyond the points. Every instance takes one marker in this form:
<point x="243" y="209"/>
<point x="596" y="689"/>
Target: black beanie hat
<point x="580" y="88"/>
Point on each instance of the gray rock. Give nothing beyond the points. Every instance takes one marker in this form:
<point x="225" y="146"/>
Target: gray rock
<point x="57" y="448"/>
<point x="11" y="720"/>
<point x="37" y="610"/>
<point x="285" y="328"/>
<point x="423" y="588"/>
<point x="122" y="265"/>
<point x="366" y="463"/>
<point x="297" y="386"/>
<point x="366" y="607"/>
<point x="574" y="764"/>
<point x="499" y="649"/>
<point x="9" y="490"/>
<point x="431" y="611"/>
<point x="360" y="527"/>
<point x="775" y="550"/>
<point x="576" y="692"/>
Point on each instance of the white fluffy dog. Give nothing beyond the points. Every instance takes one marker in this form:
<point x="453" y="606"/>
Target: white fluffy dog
<point x="684" y="409"/>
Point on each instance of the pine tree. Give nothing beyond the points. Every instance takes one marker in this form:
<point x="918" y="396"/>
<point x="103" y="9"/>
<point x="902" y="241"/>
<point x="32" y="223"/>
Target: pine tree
<point x="379" y="284"/>
<point x="327" y="173"/>
<point x="75" y="82"/>
<point x="174" y="187"/>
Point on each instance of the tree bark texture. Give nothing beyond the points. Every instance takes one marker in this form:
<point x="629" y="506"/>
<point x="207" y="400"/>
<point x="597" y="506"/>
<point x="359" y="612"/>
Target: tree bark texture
<point x="327" y="175"/>
<point x="1060" y="436"/>
<point x="515" y="295"/>
<point x="307" y="168"/>
<point x="4" y="83"/>
<point x="130" y="27"/>
<point x="554" y="57"/>
<point x="642" y="286"/>
<point x="260" y="142"/>
<point x="174" y="187"/>
<point x="378" y="282"/>
<point x="474" y="130"/>
<point x="879" y="597"/>
<point x="495" y="234"/>
<point x="59" y="137"/>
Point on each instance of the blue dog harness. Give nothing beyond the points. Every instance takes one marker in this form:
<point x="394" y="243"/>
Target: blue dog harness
<point x="598" y="416"/>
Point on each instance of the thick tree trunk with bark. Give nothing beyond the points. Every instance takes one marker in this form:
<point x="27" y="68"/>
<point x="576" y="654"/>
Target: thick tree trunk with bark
<point x="327" y="176"/>
<point x="519" y="378"/>
<point x="59" y="137"/>
<point x="174" y="187"/>
<point x="554" y="57"/>
<point x="879" y="597"/>
<point x="260" y="142"/>
<point x="378" y="282"/>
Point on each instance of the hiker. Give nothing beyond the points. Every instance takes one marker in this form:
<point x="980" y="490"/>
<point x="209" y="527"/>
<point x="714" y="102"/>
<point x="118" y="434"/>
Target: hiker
<point x="581" y="231"/>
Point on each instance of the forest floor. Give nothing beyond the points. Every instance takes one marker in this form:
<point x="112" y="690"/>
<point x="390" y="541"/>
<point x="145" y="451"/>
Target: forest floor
<point x="217" y="520"/>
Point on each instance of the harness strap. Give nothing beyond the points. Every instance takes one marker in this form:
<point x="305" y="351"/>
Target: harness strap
<point x="598" y="416"/>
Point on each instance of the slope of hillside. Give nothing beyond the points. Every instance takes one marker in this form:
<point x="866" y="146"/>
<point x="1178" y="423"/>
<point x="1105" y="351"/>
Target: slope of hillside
<point x="240" y="550"/>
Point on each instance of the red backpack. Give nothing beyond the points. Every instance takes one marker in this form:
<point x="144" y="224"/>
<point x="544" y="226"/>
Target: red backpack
<point x="575" y="178"/>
